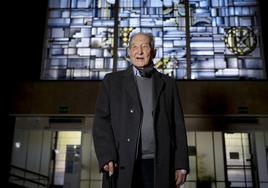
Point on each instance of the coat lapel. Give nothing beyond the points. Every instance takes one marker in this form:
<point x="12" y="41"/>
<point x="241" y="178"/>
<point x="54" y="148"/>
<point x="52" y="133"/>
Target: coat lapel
<point x="131" y="86"/>
<point x="158" y="85"/>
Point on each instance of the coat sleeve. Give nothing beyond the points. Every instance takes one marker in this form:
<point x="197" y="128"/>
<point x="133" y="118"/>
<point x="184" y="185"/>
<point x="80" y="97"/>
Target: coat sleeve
<point x="181" y="147"/>
<point x="103" y="136"/>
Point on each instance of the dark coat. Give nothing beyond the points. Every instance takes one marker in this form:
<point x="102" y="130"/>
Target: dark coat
<point x="116" y="128"/>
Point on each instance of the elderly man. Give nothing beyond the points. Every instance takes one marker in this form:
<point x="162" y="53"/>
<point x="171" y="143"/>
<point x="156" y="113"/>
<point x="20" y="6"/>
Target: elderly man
<point x="139" y="133"/>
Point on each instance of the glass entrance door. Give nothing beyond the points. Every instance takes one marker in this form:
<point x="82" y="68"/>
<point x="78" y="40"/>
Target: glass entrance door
<point x="65" y="163"/>
<point x="238" y="160"/>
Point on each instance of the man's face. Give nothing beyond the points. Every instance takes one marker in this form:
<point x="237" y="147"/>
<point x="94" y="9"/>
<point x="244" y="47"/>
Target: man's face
<point x="140" y="51"/>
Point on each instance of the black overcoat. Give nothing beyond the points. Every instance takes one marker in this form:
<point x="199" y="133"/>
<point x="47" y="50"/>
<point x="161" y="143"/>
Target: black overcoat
<point x="116" y="127"/>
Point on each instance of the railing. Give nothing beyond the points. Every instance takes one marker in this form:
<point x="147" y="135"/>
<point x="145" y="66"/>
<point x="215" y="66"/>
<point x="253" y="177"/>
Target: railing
<point x="23" y="177"/>
<point x="226" y="184"/>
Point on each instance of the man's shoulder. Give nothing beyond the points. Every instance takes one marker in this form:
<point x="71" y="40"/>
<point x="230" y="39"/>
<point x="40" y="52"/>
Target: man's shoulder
<point x="165" y="76"/>
<point x="115" y="75"/>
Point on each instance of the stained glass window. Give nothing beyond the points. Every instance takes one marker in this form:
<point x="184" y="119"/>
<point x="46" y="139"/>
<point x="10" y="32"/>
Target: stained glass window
<point x="79" y="39"/>
<point x="87" y="39"/>
<point x="225" y="40"/>
<point x="166" y="21"/>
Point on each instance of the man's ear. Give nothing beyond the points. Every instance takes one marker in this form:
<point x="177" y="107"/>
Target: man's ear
<point x="153" y="53"/>
<point x="128" y="52"/>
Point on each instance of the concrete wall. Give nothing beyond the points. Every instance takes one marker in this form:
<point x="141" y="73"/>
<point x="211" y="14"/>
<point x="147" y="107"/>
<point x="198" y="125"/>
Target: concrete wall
<point x="198" y="97"/>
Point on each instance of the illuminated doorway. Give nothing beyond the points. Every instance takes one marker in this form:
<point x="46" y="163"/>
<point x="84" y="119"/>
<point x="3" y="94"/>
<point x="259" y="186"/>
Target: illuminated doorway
<point x="65" y="160"/>
<point x="238" y="160"/>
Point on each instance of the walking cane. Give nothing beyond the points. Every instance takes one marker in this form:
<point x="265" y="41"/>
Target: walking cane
<point x="111" y="180"/>
<point x="111" y="184"/>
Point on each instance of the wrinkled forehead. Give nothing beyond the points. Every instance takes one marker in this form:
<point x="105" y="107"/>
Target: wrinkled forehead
<point x="140" y="38"/>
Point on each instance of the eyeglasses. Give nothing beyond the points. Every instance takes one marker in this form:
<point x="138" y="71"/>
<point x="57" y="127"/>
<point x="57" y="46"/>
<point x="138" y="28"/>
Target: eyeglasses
<point x="144" y="47"/>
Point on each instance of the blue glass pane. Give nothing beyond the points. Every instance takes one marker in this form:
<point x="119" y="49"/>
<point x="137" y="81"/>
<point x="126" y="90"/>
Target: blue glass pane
<point x="141" y="3"/>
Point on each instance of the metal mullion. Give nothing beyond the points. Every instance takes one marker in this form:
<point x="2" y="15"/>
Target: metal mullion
<point x="116" y="25"/>
<point x="187" y="31"/>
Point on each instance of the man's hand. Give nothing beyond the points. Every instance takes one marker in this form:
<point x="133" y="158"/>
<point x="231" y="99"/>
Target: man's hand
<point x="180" y="177"/>
<point x="110" y="167"/>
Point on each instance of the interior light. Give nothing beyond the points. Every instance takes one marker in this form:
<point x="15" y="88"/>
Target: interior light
<point x="17" y="144"/>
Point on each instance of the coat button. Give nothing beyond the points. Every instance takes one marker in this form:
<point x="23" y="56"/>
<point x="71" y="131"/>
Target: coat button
<point x="128" y="139"/>
<point x="131" y="111"/>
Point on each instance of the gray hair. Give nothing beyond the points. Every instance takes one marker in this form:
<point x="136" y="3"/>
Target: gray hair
<point x="149" y="35"/>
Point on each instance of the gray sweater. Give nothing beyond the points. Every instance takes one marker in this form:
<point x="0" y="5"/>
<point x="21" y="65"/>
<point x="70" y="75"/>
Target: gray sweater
<point x="145" y="86"/>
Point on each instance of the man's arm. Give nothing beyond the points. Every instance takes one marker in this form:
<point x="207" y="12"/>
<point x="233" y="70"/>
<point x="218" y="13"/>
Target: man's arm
<point x="181" y="147"/>
<point x="103" y="135"/>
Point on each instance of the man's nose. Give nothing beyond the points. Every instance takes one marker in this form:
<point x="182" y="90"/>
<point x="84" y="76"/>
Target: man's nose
<point x="140" y="50"/>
